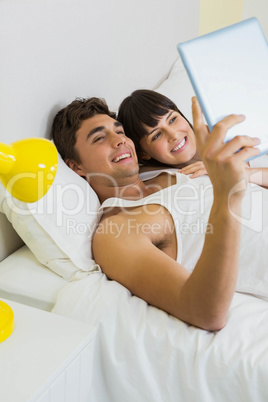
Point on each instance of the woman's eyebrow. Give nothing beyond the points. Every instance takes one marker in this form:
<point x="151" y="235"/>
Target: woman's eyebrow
<point x="151" y="132"/>
<point x="170" y="113"/>
<point x="156" y="128"/>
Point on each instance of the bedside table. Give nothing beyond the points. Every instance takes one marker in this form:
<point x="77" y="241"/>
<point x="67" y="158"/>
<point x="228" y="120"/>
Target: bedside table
<point x="46" y="358"/>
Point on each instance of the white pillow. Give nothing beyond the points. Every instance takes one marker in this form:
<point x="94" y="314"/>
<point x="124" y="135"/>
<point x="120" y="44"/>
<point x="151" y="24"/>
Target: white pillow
<point x="59" y="227"/>
<point x="178" y="88"/>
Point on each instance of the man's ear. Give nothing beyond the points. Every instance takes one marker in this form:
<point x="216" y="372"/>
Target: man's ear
<point x="145" y="156"/>
<point x="75" y="167"/>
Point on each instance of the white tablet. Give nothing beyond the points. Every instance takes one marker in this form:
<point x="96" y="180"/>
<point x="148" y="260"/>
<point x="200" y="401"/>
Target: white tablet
<point x="228" y="70"/>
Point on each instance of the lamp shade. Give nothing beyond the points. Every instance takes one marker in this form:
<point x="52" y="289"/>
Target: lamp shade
<point x="28" y="168"/>
<point x="6" y="321"/>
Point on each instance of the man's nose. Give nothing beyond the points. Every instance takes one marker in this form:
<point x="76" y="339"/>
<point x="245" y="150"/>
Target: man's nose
<point x="118" y="140"/>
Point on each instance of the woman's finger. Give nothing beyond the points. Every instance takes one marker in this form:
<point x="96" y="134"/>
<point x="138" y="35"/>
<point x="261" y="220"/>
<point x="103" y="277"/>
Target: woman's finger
<point x="192" y="168"/>
<point x="198" y="173"/>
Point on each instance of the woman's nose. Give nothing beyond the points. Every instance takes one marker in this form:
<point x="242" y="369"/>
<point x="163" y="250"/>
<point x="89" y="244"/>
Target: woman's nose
<point x="171" y="134"/>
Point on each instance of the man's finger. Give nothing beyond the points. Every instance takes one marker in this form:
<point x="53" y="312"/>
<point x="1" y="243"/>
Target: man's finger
<point x="220" y="129"/>
<point x="244" y="154"/>
<point x="197" y="113"/>
<point x="236" y="144"/>
<point x="200" y="128"/>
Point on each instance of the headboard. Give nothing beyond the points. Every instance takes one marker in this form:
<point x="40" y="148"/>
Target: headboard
<point x="53" y="51"/>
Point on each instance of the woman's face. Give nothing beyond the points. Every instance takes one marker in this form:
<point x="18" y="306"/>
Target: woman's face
<point x="171" y="142"/>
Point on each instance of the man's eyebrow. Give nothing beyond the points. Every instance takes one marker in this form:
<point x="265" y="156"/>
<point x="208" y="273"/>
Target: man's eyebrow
<point x="95" y="130"/>
<point x="118" y="124"/>
<point x="101" y="128"/>
<point x="156" y="128"/>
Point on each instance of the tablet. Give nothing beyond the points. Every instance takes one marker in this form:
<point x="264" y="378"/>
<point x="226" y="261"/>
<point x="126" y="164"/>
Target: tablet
<point x="228" y="70"/>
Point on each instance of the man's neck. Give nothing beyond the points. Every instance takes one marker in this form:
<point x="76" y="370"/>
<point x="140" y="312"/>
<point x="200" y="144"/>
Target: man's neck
<point x="134" y="190"/>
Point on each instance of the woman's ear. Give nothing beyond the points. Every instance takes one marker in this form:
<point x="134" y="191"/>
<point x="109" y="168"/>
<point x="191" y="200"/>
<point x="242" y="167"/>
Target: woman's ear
<point x="75" y="167"/>
<point x="145" y="156"/>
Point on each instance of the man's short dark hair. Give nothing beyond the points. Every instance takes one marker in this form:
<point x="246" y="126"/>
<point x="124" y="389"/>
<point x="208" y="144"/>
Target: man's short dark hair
<point x="69" y="119"/>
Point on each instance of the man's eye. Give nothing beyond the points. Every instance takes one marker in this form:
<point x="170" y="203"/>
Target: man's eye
<point x="96" y="139"/>
<point x="156" y="136"/>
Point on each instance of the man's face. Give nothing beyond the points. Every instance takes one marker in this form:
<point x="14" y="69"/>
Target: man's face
<point x="105" y="152"/>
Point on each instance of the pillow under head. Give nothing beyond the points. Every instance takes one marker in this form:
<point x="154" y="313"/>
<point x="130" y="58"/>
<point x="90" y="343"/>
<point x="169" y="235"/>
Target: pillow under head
<point x="58" y="228"/>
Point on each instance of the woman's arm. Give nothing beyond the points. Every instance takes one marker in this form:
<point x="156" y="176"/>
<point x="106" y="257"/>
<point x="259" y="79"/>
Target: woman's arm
<point x="258" y="176"/>
<point x="195" y="169"/>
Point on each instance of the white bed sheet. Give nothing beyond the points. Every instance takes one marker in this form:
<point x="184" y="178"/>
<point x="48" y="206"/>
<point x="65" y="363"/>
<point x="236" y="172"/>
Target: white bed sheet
<point x="23" y="279"/>
<point x="142" y="353"/>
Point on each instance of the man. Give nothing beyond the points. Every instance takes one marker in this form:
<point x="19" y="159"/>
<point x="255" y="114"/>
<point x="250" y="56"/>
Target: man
<point x="142" y="256"/>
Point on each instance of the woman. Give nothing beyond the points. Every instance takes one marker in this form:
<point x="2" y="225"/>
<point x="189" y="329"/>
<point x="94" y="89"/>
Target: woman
<point x="163" y="137"/>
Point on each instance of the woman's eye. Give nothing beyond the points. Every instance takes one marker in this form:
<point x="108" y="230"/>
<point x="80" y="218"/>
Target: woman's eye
<point x="157" y="135"/>
<point x="172" y="120"/>
<point x="120" y="132"/>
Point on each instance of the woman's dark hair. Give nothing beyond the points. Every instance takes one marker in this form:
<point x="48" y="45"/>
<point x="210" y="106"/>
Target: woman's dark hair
<point x="144" y="108"/>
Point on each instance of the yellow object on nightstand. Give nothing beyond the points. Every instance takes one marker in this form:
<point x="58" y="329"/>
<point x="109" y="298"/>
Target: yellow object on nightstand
<point x="6" y="321"/>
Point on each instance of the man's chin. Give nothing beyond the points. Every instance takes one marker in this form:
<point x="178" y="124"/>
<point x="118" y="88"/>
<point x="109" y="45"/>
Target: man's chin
<point x="128" y="172"/>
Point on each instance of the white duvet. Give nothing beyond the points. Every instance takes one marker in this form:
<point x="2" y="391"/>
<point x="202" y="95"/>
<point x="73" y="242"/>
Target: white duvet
<point x="143" y="354"/>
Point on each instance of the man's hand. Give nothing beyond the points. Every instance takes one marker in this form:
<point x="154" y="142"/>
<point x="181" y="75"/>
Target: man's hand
<point x="224" y="162"/>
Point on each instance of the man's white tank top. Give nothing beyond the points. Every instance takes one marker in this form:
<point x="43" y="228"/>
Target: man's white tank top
<point x="189" y="203"/>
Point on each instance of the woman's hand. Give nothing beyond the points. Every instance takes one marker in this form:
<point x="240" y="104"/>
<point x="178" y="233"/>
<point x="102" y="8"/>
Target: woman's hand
<point x="196" y="169"/>
<point x="258" y="176"/>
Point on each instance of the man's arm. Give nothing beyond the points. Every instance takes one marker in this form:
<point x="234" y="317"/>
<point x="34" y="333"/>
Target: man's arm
<point x="202" y="298"/>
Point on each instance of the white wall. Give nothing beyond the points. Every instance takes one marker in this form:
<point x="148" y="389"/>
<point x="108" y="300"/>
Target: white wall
<point x="55" y="50"/>
<point x="259" y="9"/>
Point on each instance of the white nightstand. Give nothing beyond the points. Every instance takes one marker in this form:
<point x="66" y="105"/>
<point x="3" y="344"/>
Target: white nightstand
<point x="46" y="358"/>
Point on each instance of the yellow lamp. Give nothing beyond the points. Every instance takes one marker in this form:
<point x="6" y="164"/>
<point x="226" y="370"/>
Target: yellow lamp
<point x="28" y="168"/>
<point x="6" y="321"/>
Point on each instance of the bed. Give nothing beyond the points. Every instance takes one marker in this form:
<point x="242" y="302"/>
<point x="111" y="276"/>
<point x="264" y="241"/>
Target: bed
<point x="51" y="53"/>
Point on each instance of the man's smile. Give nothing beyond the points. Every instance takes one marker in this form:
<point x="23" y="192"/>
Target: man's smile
<point x="122" y="156"/>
